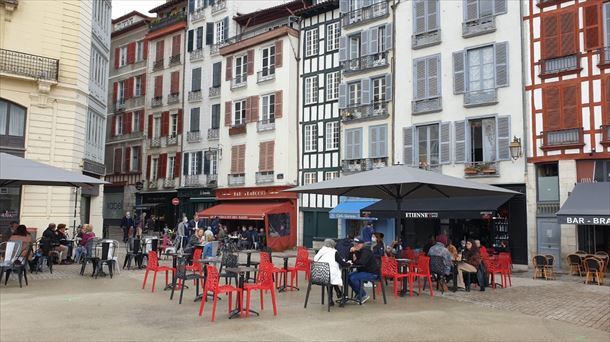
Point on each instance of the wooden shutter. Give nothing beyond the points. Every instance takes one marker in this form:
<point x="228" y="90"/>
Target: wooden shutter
<point x="460" y="141"/>
<point x="143" y="84"/>
<point x="407" y="145"/>
<point x="503" y="134"/>
<point x="373" y="41"/>
<point x="250" y="64"/>
<point x="254" y="108"/>
<point x="343" y="6"/>
<point x="270" y="155"/>
<point x="159" y="86"/>
<point x="501" y="59"/>
<point x="279" y="47"/>
<point x="419" y="16"/>
<point x="471" y="9"/>
<point x="365" y="89"/>
<point x="126" y="122"/>
<point x="570" y="98"/>
<point x="177" y="161"/>
<point x="209" y="33"/>
<point x="115" y="92"/>
<point x="374" y="141"/>
<point x="176" y="45"/>
<point x="160" y="47"/>
<point x="234" y="158"/>
<point x="145" y="53"/>
<point x="248" y="119"/>
<point x="162" y="166"/>
<point x="500" y="6"/>
<point x="419" y="79"/>
<point x="388" y="37"/>
<point x="349" y="144"/>
<point x="229" y="68"/>
<point x="342" y="48"/>
<point x="433" y="66"/>
<point x="118" y="158"/>
<point x="342" y="95"/>
<point x="551" y="104"/>
<point x="189" y="41"/>
<point x="131" y="53"/>
<point x="164" y="124"/>
<point x="592" y="27"/>
<point x="279" y="103"/>
<point x="175" y="82"/>
<point x="606" y="109"/>
<point x="117" y="56"/>
<point x="569" y="32"/>
<point x="357" y="143"/>
<point x="141" y="113"/>
<point x="228" y="112"/>
<point x="459" y="76"/>
<point x="150" y="126"/>
<point x="148" y="162"/>
<point x="226" y="28"/>
<point x="180" y="121"/>
<point x="126" y="160"/>
<point x="202" y="162"/>
<point x="262" y="157"/>
<point x="364" y="42"/>
<point x="388" y="86"/>
<point x="432" y="15"/>
<point x="113" y="126"/>
<point x="128" y="91"/>
<point x="445" y="137"/>
<point x="550" y="36"/>
<point x="241" y="160"/>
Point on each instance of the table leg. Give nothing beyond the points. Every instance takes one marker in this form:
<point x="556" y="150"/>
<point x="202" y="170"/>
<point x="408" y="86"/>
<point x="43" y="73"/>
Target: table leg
<point x="344" y="298"/>
<point x="236" y="311"/>
<point x="285" y="287"/>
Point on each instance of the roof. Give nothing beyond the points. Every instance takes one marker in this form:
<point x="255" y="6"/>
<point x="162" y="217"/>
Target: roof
<point x="168" y="4"/>
<point x="271" y="13"/>
<point x="320" y="7"/>
<point x="244" y="211"/>
<point x="130" y="14"/>
<point x="589" y="203"/>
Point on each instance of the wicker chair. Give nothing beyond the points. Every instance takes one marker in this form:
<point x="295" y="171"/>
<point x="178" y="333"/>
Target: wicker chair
<point x="540" y="266"/>
<point x="550" y="266"/>
<point x="575" y="264"/>
<point x="594" y="268"/>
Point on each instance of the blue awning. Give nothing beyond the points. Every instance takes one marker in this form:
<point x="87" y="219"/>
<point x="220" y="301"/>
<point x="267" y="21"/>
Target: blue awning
<point x="351" y="210"/>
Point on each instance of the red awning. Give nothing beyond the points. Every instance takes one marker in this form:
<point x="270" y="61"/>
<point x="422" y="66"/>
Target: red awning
<point x="243" y="211"/>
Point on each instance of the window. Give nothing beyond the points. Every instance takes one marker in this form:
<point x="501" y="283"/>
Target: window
<point x="196" y="79"/>
<point x="212" y="157"/>
<point x="157" y="127"/>
<point x="119" y="125"/>
<point x="121" y="92"/>
<point x="12" y="119"/>
<point x="548" y="182"/>
<point x="268" y="61"/>
<point x="241" y="68"/>
<point x="199" y="39"/>
<point x="154" y="169"/>
<point x="135" y="159"/>
<point x="135" y="121"/>
<point x="219" y="29"/>
<point x="310" y="178"/>
<point x="137" y="89"/>
<point x="195" y="119"/>
<point x="139" y="50"/>
<point x="171" y="161"/>
<point x="216" y="74"/>
<point x="354" y="47"/>
<point x="426" y="71"/>
<point x="475" y="9"/>
<point x="118" y="159"/>
<point x="559" y="34"/>
<point x="215" y="116"/>
<point x="378" y="141"/>
<point x="482" y="141"/>
<point x="173" y="125"/>
<point x="480" y="69"/>
<point x="425" y="16"/>
<point x="238" y="159"/>
<point x="122" y="56"/>
<point x="381" y="39"/>
<point x="239" y="113"/>
<point x="331" y="135"/>
<point x="268" y="104"/>
<point x="379" y="88"/>
<point x="311" y="138"/>
<point x="353" y="143"/>
<point x="333" y="32"/>
<point x="354" y="95"/>
<point x="332" y="86"/>
<point x="311" y="42"/>
<point x="328" y="175"/>
<point x="428" y="146"/>
<point x="311" y="90"/>
<point x="195" y="163"/>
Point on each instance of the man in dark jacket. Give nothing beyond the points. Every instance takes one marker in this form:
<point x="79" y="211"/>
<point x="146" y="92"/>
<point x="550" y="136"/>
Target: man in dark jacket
<point x="368" y="269"/>
<point x="127" y="223"/>
<point x="344" y="246"/>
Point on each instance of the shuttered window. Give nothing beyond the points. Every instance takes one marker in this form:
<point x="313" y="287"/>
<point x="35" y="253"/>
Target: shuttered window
<point x="175" y="82"/>
<point x="425" y="16"/>
<point x="158" y="86"/>
<point x="407" y="145"/>
<point x="428" y="145"/>
<point x="559" y="34"/>
<point x="215" y="116"/>
<point x="311" y="42"/>
<point x="159" y="52"/>
<point x="427" y="83"/>
<point x="196" y="79"/>
<point x="216" y="74"/>
<point x="194" y="122"/>
<point x="480" y="69"/>
<point x="560" y="107"/>
<point x="592" y="26"/>
<point x="606" y="105"/>
<point x="378" y="141"/>
<point x="353" y="143"/>
<point x="238" y="157"/>
<point x="199" y="39"/>
<point x="266" y="156"/>
<point x="118" y="159"/>
<point x="475" y="9"/>
<point x="176" y="45"/>
<point x="607" y="25"/>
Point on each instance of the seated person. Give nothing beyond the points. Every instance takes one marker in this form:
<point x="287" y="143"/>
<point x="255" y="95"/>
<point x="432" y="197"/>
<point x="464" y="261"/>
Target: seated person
<point x="262" y="239"/>
<point x="481" y="248"/>
<point x="471" y="259"/>
<point x="451" y="248"/>
<point x="244" y="238"/>
<point x="368" y="269"/>
<point x="51" y="241"/>
<point x="63" y="240"/>
<point x="86" y="234"/>
<point x="329" y="254"/>
<point x="378" y="246"/>
<point x="21" y="234"/>
<point x="439" y="249"/>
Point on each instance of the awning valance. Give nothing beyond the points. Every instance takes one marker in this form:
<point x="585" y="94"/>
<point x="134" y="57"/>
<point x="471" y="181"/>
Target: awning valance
<point x="350" y="210"/>
<point x="588" y="204"/>
<point x="245" y="210"/>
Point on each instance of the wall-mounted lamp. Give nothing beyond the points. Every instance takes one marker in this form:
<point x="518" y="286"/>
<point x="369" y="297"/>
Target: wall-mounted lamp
<point x="515" y="148"/>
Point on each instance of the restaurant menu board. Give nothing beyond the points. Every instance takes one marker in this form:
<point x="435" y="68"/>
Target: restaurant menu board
<point x="500" y="231"/>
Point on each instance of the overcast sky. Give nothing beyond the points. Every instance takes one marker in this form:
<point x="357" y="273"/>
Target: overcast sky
<point x="120" y="7"/>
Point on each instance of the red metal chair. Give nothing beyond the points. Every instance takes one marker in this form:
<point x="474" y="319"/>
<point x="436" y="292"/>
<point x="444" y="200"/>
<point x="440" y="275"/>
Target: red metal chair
<point x="153" y="265"/>
<point x="490" y="266"/>
<point x="389" y="269"/>
<point x="212" y="285"/>
<point x="503" y="266"/>
<point x="263" y="283"/>
<point x="422" y="271"/>
<point x="302" y="264"/>
<point x="510" y="260"/>
<point x="276" y="271"/>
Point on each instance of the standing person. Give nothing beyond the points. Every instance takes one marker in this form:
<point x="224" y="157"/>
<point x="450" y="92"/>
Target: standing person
<point x="182" y="226"/>
<point x="195" y="224"/>
<point x="367" y="232"/>
<point x="368" y="270"/>
<point x="329" y="254"/>
<point x="127" y="224"/>
<point x="262" y="239"/>
<point x="215" y="225"/>
<point x="471" y="259"/>
<point x="9" y="230"/>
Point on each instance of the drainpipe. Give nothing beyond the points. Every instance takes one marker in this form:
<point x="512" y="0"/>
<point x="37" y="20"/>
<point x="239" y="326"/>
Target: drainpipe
<point x="298" y="135"/>
<point x="392" y="70"/>
<point x="524" y="73"/>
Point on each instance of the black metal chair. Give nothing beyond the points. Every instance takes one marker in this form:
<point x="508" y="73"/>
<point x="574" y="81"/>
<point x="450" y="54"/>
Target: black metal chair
<point x="228" y="260"/>
<point x="437" y="270"/>
<point x="90" y="257"/>
<point x="320" y="275"/>
<point x="134" y="252"/>
<point x="183" y="275"/>
<point x="19" y="267"/>
<point x="105" y="257"/>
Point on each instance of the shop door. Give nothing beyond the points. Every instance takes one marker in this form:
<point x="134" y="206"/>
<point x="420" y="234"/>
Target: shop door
<point x="309" y="228"/>
<point x="317" y="224"/>
<point x="549" y="238"/>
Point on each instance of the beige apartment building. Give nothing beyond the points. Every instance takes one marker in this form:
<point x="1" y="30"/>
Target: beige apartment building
<point x="53" y="79"/>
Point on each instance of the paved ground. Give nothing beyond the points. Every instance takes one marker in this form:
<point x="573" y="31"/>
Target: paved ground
<point x="67" y="307"/>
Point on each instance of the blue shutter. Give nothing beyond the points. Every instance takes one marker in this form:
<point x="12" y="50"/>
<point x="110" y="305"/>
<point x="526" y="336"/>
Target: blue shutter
<point x="342" y="95"/>
<point x="419" y="16"/>
<point x="349" y="144"/>
<point x="373" y="42"/>
<point x="388" y="36"/>
<point x="357" y="143"/>
<point x="342" y="48"/>
<point x="189" y="41"/>
<point x="365" y="88"/>
<point x="419" y="79"/>
<point x="343" y="6"/>
<point x="373" y="141"/>
<point x="471" y="9"/>
<point x="445" y="138"/>
<point x="503" y="137"/>
<point x="459" y="76"/>
<point x="499" y="7"/>
<point x="501" y="63"/>
<point x="191" y="6"/>
<point x="407" y="145"/>
<point x="460" y="141"/>
<point x="382" y="141"/>
<point x="433" y="66"/>
<point x="364" y="42"/>
<point x="388" y="87"/>
<point x="432" y="15"/>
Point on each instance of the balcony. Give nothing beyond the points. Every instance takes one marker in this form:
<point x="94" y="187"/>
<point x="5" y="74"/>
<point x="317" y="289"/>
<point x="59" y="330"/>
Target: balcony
<point x="215" y="49"/>
<point x="262" y="29"/>
<point x="158" y="65"/>
<point x="479" y="26"/>
<point x="605" y="135"/>
<point x="193" y="137"/>
<point x="481" y="169"/>
<point x="239" y="81"/>
<point x="196" y="55"/>
<point x="214" y="92"/>
<point x="153" y="184"/>
<point x="155" y="142"/>
<point x="363" y="63"/>
<point x="171" y="140"/>
<point x="119" y="105"/>
<point x="195" y="95"/>
<point x="236" y="179"/>
<point x="363" y="164"/>
<point x="365" y="14"/>
<point x="137" y="101"/>
<point x="198" y="14"/>
<point x="546" y="3"/>
<point x="476" y="98"/>
<point x="266" y="75"/>
<point x="160" y="23"/>
<point x="218" y="6"/>
<point x="429" y="105"/>
<point x="193" y="180"/>
<point x="128" y="136"/>
<point x="174" y="60"/>
<point x="554" y="67"/>
<point x="378" y="110"/>
<point x="173" y="98"/>
<point x="213" y="133"/>
<point x="237" y="129"/>
<point x="156" y="101"/>
<point x="425" y="39"/>
<point x="168" y="183"/>
<point x="265" y="125"/>
<point x="212" y="180"/>
<point x="265" y="177"/>
<point x="562" y="138"/>
<point x="33" y="66"/>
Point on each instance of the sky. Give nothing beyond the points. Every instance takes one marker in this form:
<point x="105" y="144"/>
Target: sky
<point x="121" y="7"/>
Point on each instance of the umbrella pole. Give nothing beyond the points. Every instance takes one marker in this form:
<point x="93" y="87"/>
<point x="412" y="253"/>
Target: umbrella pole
<point x="397" y="218"/>
<point x="74" y="218"/>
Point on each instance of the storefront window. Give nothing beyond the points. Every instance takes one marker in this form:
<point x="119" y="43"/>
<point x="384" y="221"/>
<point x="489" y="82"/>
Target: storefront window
<point x="10" y="198"/>
<point x="602" y="170"/>
<point x="593" y="239"/>
<point x="279" y="225"/>
<point x="548" y="183"/>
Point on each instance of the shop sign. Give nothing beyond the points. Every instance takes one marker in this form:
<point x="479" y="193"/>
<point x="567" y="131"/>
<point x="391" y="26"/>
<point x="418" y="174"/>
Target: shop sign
<point x="421" y="215"/>
<point x="113" y="205"/>
<point x="592" y="220"/>
<point x="249" y="193"/>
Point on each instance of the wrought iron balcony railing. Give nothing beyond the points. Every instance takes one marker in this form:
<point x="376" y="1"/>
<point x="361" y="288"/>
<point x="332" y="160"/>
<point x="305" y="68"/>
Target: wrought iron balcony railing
<point x="193" y="180"/>
<point x="264" y="177"/>
<point x="366" y="62"/>
<point x="266" y="125"/>
<point x="425" y="39"/>
<point x="156" y="101"/>
<point x="195" y="95"/>
<point x="155" y="142"/>
<point x="365" y="14"/>
<point x="158" y="65"/>
<point x="174" y="60"/>
<point x="168" y="183"/>
<point x="172" y="140"/>
<point x="237" y="179"/>
<point x="266" y="75"/>
<point x="128" y="136"/>
<point x="198" y="14"/>
<point x="377" y="110"/>
<point x="552" y="66"/>
<point x="196" y="55"/>
<point x="173" y="98"/>
<point x="483" y="97"/>
<point x="153" y="184"/>
<point x="251" y="33"/>
<point x="161" y="23"/>
<point x="119" y="105"/>
<point x="363" y="164"/>
<point x="214" y="92"/>
<point x="479" y="26"/>
<point x="193" y="137"/>
<point x="218" y="6"/>
<point x="477" y="169"/>
<point x="239" y="81"/>
<point x="215" y="49"/>
<point x="25" y="64"/>
<point x="213" y="133"/>
<point x="429" y="105"/>
<point x="563" y="137"/>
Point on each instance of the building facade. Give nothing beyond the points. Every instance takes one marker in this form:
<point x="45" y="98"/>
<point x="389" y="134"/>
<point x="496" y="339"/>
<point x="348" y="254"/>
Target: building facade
<point x="319" y="121"/>
<point x="459" y="104"/>
<point x="125" y="142"/>
<point x="568" y="88"/>
<point x="53" y="104"/>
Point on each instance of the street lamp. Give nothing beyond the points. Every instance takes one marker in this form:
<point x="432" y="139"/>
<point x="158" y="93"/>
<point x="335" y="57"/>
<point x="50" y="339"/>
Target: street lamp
<point x="515" y="148"/>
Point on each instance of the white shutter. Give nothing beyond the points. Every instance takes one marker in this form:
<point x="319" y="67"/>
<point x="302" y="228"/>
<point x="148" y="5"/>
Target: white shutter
<point x="342" y="48"/>
<point x="501" y="64"/>
<point x="373" y="142"/>
<point x="503" y="137"/>
<point x="342" y="95"/>
<point x="471" y="9"/>
<point x="364" y="43"/>
<point x="388" y="37"/>
<point x="433" y="66"/>
<point x="419" y="16"/>
<point x="499" y="7"/>
<point x="382" y="141"/>
<point x="358" y="143"/>
<point x="343" y="6"/>
<point x="432" y="15"/>
<point x="460" y="141"/>
<point x="349" y="144"/>
<point x="373" y="42"/>
<point x="407" y="145"/>
<point x="365" y="91"/>
<point x="445" y="138"/>
<point x="459" y="77"/>
<point x="388" y="87"/>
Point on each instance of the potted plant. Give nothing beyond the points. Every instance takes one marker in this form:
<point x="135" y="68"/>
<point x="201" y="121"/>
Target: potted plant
<point x="471" y="169"/>
<point x="488" y="168"/>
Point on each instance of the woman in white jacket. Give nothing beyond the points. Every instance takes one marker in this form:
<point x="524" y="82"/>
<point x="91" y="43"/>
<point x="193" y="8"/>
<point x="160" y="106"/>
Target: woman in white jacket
<point x="329" y="254"/>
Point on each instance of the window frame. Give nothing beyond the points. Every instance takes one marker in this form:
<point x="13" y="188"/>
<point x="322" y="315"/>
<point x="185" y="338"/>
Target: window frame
<point x="268" y="116"/>
<point x="154" y="169"/>
<point x="137" y="86"/>
<point x="7" y="120"/>
<point x="312" y="42"/>
<point x="135" y="121"/>
<point x="118" y="129"/>
<point x="331" y="135"/>
<point x="333" y="32"/>
<point x="242" y="109"/>
<point x="122" y="56"/>
<point x="270" y="68"/>
<point x="240" y="61"/>
<point x="357" y="92"/>
<point x="139" y="51"/>
<point x="332" y="85"/>
<point x="311" y="90"/>
<point x="310" y="138"/>
<point x="467" y="67"/>
<point x="428" y="141"/>
<point x="173" y="125"/>
<point x="134" y="159"/>
<point x="219" y="32"/>
<point x="310" y="178"/>
<point x="334" y="173"/>
<point x="157" y="127"/>
<point x="171" y="163"/>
